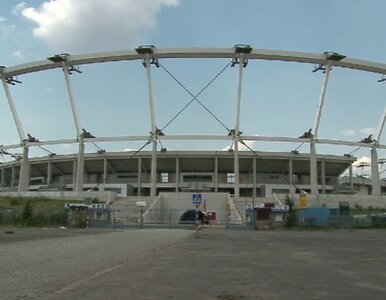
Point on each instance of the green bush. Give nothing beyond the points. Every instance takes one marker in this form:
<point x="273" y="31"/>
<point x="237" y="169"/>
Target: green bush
<point x="292" y="219"/>
<point x="59" y="217"/>
<point x="14" y="201"/>
<point x="27" y="213"/>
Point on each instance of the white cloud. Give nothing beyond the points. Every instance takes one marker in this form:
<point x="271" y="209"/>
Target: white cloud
<point x="2" y="19"/>
<point x="362" y="166"/>
<point x="93" y="25"/>
<point x="348" y="132"/>
<point x="363" y="161"/>
<point x="359" y="133"/>
<point x="19" y="55"/>
<point x="18" y="8"/>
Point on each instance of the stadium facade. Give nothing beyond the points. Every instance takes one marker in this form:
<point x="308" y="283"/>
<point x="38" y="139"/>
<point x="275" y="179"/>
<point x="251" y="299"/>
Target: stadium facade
<point x="261" y="174"/>
<point x="240" y="173"/>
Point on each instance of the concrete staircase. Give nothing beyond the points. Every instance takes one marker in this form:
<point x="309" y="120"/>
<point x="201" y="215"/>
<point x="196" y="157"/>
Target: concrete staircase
<point x="169" y="207"/>
<point x="125" y="210"/>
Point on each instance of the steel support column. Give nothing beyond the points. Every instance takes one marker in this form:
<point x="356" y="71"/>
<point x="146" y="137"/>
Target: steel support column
<point x="80" y="168"/>
<point x="24" y="173"/>
<point x="75" y="114"/>
<point x="11" y="103"/>
<point x="375" y="180"/>
<point x="237" y="129"/>
<point x="381" y="126"/>
<point x="153" y="188"/>
<point x="315" y="130"/>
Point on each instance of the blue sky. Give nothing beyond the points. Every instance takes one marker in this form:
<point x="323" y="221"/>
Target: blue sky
<point x="279" y="98"/>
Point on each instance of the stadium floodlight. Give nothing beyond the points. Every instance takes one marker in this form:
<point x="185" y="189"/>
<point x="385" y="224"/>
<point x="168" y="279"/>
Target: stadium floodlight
<point x="367" y="140"/>
<point x="145" y="49"/>
<point x="306" y="135"/>
<point x="12" y="80"/>
<point x="241" y="48"/>
<point x="383" y="79"/>
<point x="334" y="56"/>
<point x="158" y="132"/>
<point x="32" y="139"/>
<point x="72" y="69"/>
<point x="319" y="68"/>
<point x="58" y="57"/>
<point x="87" y="135"/>
<point x="232" y="132"/>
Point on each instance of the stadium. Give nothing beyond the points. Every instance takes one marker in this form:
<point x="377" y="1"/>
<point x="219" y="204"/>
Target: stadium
<point x="240" y="172"/>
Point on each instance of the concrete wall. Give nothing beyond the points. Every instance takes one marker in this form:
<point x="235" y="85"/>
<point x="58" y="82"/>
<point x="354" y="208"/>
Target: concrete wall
<point x="328" y="200"/>
<point x="103" y="196"/>
<point x="182" y="202"/>
<point x="332" y="201"/>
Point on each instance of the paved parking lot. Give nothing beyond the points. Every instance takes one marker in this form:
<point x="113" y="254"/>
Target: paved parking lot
<point x="221" y="264"/>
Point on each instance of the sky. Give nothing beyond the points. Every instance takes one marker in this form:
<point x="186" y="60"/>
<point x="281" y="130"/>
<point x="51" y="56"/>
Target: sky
<point x="279" y="98"/>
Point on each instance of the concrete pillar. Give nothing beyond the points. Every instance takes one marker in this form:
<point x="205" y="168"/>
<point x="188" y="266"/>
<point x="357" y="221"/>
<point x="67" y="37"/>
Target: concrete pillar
<point x="13" y="175"/>
<point x="236" y="170"/>
<point x="74" y="175"/>
<point x="216" y="174"/>
<point x="24" y="172"/>
<point x="313" y="170"/>
<point x="3" y="177"/>
<point x="177" y="174"/>
<point x="49" y="173"/>
<point x="139" y="176"/>
<point x="104" y="170"/>
<point x="323" y="171"/>
<point x="80" y="169"/>
<point x="290" y="171"/>
<point x="153" y="189"/>
<point x="350" y="174"/>
<point x="254" y="180"/>
<point x="376" y="183"/>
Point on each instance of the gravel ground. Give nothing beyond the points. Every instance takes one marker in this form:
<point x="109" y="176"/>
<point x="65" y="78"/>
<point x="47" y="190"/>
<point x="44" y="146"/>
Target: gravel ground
<point x="46" y="263"/>
<point x="164" y="264"/>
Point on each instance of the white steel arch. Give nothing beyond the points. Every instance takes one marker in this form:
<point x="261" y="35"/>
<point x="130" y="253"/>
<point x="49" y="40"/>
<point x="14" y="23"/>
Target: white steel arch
<point x="183" y="53"/>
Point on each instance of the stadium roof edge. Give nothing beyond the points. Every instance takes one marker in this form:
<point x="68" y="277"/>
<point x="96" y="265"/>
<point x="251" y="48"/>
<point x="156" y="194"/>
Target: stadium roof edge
<point x="262" y="54"/>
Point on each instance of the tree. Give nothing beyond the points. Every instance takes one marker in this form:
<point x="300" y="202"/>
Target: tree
<point x="27" y="213"/>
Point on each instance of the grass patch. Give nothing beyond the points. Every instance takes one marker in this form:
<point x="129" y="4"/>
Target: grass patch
<point x="41" y="211"/>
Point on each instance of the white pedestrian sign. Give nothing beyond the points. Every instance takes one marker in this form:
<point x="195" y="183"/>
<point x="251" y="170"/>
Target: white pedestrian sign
<point x="197" y="199"/>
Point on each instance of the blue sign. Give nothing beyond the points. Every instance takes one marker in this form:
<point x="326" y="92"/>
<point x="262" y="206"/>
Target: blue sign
<point x="197" y="199"/>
